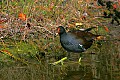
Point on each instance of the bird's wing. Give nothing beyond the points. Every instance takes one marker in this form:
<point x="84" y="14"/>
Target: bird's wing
<point x="89" y="29"/>
<point x="84" y="38"/>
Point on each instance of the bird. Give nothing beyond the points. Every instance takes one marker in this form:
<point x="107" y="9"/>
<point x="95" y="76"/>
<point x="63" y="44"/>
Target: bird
<point x="76" y="41"/>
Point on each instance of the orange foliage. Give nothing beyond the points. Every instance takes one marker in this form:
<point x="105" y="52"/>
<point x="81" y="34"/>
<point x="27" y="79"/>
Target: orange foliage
<point x="6" y="51"/>
<point x="22" y="16"/>
<point x="114" y="6"/>
<point x="106" y="28"/>
<point x="1" y="27"/>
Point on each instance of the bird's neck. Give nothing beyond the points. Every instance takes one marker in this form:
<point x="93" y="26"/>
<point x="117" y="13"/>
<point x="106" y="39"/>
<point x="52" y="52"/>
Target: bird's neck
<point x="63" y="34"/>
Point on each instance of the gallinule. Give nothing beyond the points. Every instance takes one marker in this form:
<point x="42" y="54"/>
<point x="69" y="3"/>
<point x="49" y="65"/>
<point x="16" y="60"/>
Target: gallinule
<point x="76" y="41"/>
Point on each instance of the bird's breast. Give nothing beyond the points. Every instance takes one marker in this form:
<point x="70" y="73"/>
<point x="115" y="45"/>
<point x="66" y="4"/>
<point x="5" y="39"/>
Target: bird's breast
<point x="71" y="44"/>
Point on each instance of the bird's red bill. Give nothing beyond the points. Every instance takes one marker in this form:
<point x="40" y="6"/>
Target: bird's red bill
<point x="58" y="30"/>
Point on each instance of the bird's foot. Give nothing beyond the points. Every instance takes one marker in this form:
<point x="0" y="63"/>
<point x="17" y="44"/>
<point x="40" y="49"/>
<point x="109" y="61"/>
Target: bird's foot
<point x="60" y="61"/>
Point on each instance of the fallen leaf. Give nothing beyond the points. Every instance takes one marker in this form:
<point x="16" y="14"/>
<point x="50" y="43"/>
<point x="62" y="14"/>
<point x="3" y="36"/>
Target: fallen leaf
<point x="6" y="51"/>
<point x="106" y="28"/>
<point x="22" y="16"/>
<point x="78" y="24"/>
<point x="114" y="6"/>
<point x="99" y="37"/>
<point x="1" y="27"/>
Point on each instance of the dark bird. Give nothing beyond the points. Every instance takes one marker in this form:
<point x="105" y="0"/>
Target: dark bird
<point x="76" y="41"/>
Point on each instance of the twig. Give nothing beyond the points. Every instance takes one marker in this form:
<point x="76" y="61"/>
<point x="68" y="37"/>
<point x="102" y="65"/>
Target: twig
<point x="44" y="29"/>
<point x="110" y="40"/>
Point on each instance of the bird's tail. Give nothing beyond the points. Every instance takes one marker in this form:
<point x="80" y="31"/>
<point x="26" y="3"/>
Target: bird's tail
<point x="89" y="29"/>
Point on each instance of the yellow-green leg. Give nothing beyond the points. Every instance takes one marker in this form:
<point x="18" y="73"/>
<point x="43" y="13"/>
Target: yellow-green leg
<point x="60" y="61"/>
<point x="79" y="61"/>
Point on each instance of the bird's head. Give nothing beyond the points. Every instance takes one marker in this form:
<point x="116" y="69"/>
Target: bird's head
<point x="61" y="30"/>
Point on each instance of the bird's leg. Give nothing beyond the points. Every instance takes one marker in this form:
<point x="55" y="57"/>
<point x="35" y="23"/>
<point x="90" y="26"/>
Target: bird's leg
<point x="79" y="61"/>
<point x="69" y="56"/>
<point x="61" y="60"/>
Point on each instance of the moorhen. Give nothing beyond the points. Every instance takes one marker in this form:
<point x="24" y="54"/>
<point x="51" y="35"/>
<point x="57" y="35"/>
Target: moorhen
<point x="77" y="40"/>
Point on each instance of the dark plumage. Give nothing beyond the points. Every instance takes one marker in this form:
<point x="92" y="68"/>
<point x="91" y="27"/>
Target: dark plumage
<point x="76" y="40"/>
